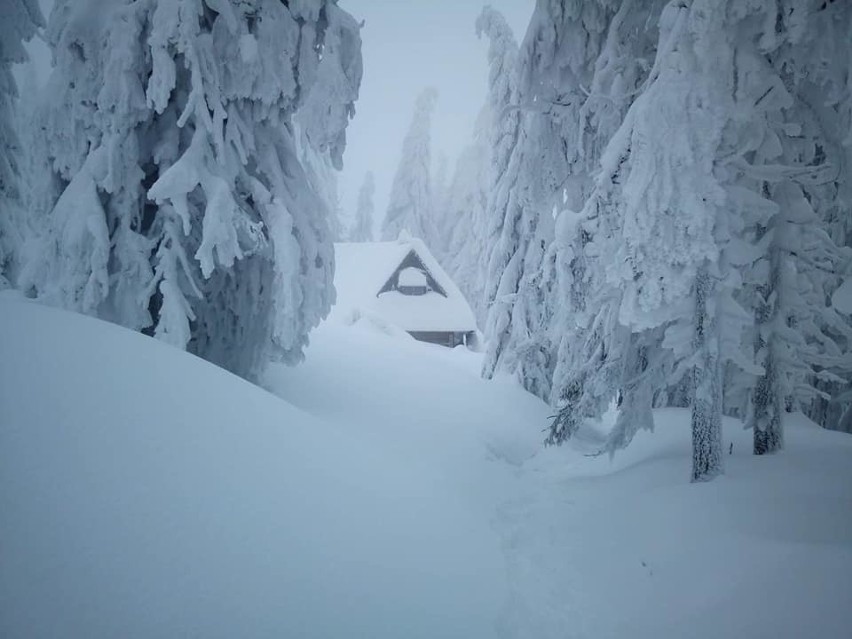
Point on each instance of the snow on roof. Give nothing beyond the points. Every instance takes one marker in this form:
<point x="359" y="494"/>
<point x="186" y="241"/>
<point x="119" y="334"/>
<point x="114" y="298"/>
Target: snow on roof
<point x="363" y="268"/>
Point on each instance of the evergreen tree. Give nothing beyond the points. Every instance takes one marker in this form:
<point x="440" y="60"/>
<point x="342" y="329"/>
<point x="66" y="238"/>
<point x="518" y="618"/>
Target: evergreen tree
<point x="698" y="153"/>
<point x="801" y="165"/>
<point x="410" y="204"/>
<point x="567" y="47"/>
<point x="20" y="21"/>
<point x="186" y="210"/>
<point x="442" y="222"/>
<point x="697" y="206"/>
<point x="322" y="177"/>
<point x="684" y="213"/>
<point x="363" y="229"/>
<point x="519" y="223"/>
<point x="467" y="200"/>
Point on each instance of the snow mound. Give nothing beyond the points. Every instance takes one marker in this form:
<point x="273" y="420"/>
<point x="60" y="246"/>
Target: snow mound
<point x="369" y="321"/>
<point x="147" y="493"/>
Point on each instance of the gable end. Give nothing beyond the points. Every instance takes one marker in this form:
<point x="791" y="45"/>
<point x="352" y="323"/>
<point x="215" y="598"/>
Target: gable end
<point x="411" y="260"/>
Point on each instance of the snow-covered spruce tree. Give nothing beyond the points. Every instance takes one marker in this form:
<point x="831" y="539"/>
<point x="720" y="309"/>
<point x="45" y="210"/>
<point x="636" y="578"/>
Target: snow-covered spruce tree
<point x="322" y="177"/>
<point x="777" y="173"/>
<point x="186" y="210"/>
<point x="362" y="231"/>
<point x="19" y="20"/>
<point x="799" y="340"/>
<point x="772" y="177"/>
<point x="467" y="199"/>
<point x="812" y="54"/>
<point x="610" y="361"/>
<point x="585" y="64"/>
<point x="505" y="133"/>
<point x="688" y="209"/>
<point x="520" y="222"/>
<point x="39" y="187"/>
<point x="410" y="204"/>
<point x="661" y="226"/>
<point x="443" y="222"/>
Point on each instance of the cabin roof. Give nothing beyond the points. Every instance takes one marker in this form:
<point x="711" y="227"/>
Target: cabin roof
<point x="363" y="271"/>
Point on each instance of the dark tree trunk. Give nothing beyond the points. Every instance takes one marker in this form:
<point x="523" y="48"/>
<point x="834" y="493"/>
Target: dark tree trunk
<point x="766" y="404"/>
<point x="707" y="386"/>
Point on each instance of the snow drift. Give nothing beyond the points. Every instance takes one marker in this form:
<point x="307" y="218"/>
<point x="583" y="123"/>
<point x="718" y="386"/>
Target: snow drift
<point x="393" y="493"/>
<point x="148" y="493"/>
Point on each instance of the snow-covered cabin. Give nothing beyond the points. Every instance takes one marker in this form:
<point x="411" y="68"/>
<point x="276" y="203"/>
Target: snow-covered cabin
<point x="402" y="283"/>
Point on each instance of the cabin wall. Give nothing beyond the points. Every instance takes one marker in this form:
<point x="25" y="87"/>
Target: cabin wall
<point x="450" y="339"/>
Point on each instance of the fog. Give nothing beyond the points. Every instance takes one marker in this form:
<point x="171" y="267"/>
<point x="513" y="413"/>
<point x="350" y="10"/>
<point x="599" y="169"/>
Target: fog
<point x="407" y="46"/>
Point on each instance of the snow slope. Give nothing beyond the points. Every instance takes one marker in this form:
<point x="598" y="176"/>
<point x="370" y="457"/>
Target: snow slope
<point x="630" y="548"/>
<point x="598" y="548"/>
<point x="392" y="494"/>
<point x="146" y="493"/>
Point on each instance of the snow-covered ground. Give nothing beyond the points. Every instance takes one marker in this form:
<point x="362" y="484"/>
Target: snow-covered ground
<point x="392" y="493"/>
<point x="599" y="548"/>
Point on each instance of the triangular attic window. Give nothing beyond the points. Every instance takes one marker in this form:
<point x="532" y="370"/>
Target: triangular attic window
<point x="409" y="266"/>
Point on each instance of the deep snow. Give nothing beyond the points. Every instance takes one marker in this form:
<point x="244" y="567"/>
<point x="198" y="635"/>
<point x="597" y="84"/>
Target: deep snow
<point x="595" y="547"/>
<point x="146" y="493"/>
<point x="393" y="493"/>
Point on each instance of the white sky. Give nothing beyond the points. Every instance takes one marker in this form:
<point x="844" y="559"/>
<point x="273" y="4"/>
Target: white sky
<point x="407" y="46"/>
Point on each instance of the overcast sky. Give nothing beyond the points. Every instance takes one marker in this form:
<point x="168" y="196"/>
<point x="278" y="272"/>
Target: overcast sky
<point x="407" y="46"/>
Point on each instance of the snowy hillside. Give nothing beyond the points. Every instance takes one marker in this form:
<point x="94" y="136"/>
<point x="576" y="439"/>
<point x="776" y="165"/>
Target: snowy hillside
<point x="393" y="493"/>
<point x="147" y="493"/>
<point x="598" y="548"/>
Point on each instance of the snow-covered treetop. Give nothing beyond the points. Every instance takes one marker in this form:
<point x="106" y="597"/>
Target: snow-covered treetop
<point x="330" y="103"/>
<point x="563" y="43"/>
<point x="502" y="82"/>
<point x="425" y="105"/>
<point x="502" y="52"/>
<point x="410" y="203"/>
<point x="362" y="230"/>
